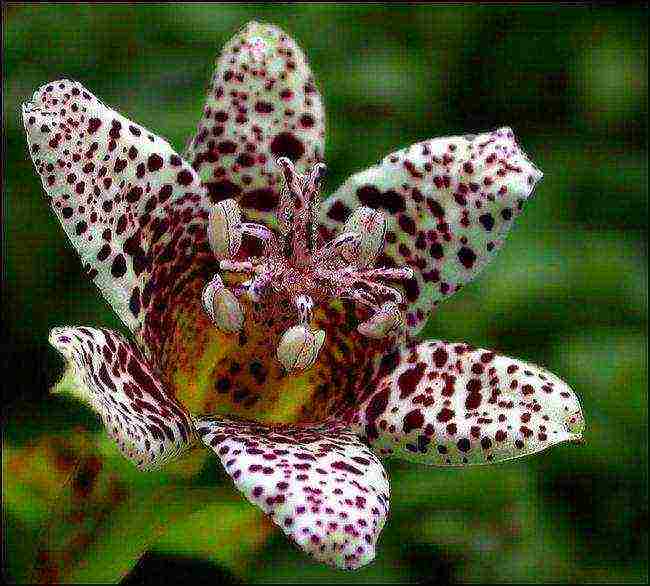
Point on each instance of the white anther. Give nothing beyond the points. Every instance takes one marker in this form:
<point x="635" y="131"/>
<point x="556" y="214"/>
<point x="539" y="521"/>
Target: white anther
<point x="347" y="245"/>
<point x="222" y="306"/>
<point x="305" y="305"/>
<point x="371" y="224"/>
<point x="387" y="321"/>
<point x="224" y="229"/>
<point x="299" y="348"/>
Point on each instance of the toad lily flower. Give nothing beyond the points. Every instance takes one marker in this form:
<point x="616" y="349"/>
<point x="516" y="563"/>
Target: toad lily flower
<point x="281" y="330"/>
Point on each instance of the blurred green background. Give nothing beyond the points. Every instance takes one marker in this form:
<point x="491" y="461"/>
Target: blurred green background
<point x="569" y="291"/>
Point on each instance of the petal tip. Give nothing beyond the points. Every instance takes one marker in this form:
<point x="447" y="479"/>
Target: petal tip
<point x="534" y="173"/>
<point x="60" y="339"/>
<point x="253" y="27"/>
<point x="575" y="424"/>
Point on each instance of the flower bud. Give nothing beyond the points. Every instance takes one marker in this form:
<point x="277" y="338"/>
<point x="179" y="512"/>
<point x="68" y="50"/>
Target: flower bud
<point x="299" y="348"/>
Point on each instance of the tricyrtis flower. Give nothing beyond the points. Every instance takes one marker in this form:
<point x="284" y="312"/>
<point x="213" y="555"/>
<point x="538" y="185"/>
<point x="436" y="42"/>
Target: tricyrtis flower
<point x="278" y="329"/>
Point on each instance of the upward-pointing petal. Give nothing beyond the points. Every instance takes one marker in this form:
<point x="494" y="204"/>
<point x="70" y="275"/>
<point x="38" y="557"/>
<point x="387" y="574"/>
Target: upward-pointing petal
<point x="132" y="208"/>
<point x="262" y="104"/>
<point x="450" y="203"/>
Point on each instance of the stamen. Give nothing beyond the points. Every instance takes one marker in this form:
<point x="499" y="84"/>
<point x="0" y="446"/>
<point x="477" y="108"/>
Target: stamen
<point x="224" y="229"/>
<point x="297" y="267"/>
<point x="222" y="306"/>
<point x="371" y="224"/>
<point x="387" y="320"/>
<point x="299" y="348"/>
<point x="305" y="305"/>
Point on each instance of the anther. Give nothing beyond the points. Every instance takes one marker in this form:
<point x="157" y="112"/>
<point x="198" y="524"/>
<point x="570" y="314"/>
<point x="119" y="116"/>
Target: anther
<point x="387" y="321"/>
<point x="222" y="306"/>
<point x="224" y="229"/>
<point x="299" y="348"/>
<point x="371" y="224"/>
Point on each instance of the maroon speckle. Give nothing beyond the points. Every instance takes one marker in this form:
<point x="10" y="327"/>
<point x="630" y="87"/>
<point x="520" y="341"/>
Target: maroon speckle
<point x="264" y="107"/>
<point x="467" y="257"/>
<point x="118" y="268"/>
<point x="338" y="211"/>
<point x="390" y="200"/>
<point x="413" y="420"/>
<point x="409" y="379"/>
<point x="440" y="357"/>
<point x="184" y="177"/>
<point x="221" y="190"/>
<point x="260" y="199"/>
<point x="307" y="121"/>
<point x="227" y="147"/>
<point x="463" y="445"/>
<point x="286" y="144"/>
<point x="93" y="125"/>
<point x="445" y="415"/>
<point x="155" y="162"/>
<point x="375" y="409"/>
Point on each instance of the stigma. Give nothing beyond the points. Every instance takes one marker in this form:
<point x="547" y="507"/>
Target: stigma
<point x="296" y="266"/>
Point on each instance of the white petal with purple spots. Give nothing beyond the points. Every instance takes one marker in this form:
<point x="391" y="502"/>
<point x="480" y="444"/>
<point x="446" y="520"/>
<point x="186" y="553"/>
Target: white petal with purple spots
<point x="115" y="379"/>
<point x="450" y="203"/>
<point x="262" y="104"/>
<point x="320" y="485"/>
<point x="132" y="208"/>
<point x="445" y="403"/>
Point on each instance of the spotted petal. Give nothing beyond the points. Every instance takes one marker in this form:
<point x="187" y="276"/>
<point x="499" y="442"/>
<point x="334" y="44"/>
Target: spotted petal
<point x="115" y="379"/>
<point x="450" y="203"/>
<point x="320" y="485"/>
<point x="444" y="403"/>
<point x="262" y="104"/>
<point x="131" y="206"/>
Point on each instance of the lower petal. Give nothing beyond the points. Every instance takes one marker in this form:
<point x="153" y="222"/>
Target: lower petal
<point x="115" y="379"/>
<point x="443" y="403"/>
<point x="320" y="485"/>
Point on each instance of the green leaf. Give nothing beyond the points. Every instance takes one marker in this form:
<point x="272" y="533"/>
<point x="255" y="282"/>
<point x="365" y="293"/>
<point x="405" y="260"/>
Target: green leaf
<point x="96" y="513"/>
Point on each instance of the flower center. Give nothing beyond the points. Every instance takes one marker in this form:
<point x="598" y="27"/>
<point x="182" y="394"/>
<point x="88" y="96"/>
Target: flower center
<point x="297" y="267"/>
